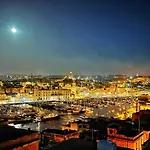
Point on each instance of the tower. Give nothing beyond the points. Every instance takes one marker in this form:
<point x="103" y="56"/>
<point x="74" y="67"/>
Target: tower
<point x="70" y="75"/>
<point x="137" y="105"/>
<point x="138" y="110"/>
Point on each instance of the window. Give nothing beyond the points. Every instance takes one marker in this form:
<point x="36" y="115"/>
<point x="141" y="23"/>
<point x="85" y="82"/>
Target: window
<point x="111" y="131"/>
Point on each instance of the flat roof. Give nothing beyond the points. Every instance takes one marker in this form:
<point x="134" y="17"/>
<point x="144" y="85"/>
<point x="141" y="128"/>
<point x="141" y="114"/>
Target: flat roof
<point x="129" y="132"/>
<point x="125" y="128"/>
<point x="62" y="132"/>
<point x="113" y="125"/>
<point x="75" y="144"/>
<point x="10" y="133"/>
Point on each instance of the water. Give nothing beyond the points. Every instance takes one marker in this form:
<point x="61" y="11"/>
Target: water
<point x="56" y="124"/>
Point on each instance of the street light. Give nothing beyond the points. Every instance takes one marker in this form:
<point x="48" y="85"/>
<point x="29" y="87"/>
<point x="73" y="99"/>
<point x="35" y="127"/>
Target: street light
<point x="13" y="30"/>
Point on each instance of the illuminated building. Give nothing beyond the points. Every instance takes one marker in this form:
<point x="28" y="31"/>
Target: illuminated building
<point x="96" y="127"/>
<point x="1" y="83"/>
<point x="71" y="126"/>
<point x="24" y="84"/>
<point x="59" y="135"/>
<point x="45" y="94"/>
<point x="14" y="90"/>
<point x="2" y="94"/>
<point x="68" y="82"/>
<point x="18" y="139"/>
<point x="127" y="137"/>
<point x="70" y="75"/>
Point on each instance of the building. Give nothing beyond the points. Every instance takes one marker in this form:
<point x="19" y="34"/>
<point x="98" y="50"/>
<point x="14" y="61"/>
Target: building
<point x="1" y="83"/>
<point x="59" y="135"/>
<point x="140" y="114"/>
<point x="46" y="94"/>
<point x="71" y="126"/>
<point x="80" y="125"/>
<point x="127" y="137"/>
<point x="89" y="128"/>
<point x="18" y="89"/>
<point x="75" y="144"/>
<point x="70" y="75"/>
<point x="18" y="139"/>
<point x="2" y="94"/>
<point x="79" y="144"/>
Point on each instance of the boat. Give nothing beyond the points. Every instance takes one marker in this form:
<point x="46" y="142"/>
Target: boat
<point x="50" y="117"/>
<point x="37" y="119"/>
<point x="69" y="113"/>
<point x="20" y="121"/>
<point x="69" y="110"/>
<point x="74" y="112"/>
<point x="82" y="110"/>
<point x="62" y="114"/>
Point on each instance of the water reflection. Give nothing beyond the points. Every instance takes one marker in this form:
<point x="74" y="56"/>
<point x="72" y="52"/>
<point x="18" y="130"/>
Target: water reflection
<point x="109" y="111"/>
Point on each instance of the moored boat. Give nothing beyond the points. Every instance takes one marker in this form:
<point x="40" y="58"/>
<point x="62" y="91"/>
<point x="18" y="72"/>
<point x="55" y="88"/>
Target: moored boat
<point x="50" y="117"/>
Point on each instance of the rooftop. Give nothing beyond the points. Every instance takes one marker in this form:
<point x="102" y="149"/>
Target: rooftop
<point x="62" y="132"/>
<point x="10" y="133"/>
<point x="78" y="144"/>
<point x="113" y="125"/>
<point x="75" y="144"/>
<point x="127" y="129"/>
<point x="129" y="132"/>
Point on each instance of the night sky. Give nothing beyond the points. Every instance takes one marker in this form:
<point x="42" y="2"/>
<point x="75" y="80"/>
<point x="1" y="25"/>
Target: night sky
<point x="82" y="36"/>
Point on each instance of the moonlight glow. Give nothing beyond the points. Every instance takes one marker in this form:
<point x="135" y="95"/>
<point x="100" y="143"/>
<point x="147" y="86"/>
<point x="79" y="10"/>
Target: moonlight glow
<point x="14" y="30"/>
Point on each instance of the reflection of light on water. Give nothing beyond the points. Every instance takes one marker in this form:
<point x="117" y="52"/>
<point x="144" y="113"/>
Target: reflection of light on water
<point x="38" y="127"/>
<point x="69" y="118"/>
<point x="11" y="124"/>
<point x="105" y="112"/>
<point x="15" y="125"/>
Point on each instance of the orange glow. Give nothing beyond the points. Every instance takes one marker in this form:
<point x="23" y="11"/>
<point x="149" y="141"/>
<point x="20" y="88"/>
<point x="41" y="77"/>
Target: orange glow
<point x="127" y="142"/>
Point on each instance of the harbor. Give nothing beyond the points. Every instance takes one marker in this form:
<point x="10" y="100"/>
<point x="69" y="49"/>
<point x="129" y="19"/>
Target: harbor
<point x="54" y="114"/>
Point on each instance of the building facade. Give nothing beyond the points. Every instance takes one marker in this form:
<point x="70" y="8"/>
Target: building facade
<point x="60" y="135"/>
<point x="134" y="140"/>
<point x="2" y="94"/>
<point x="46" y="94"/>
<point x="18" y="139"/>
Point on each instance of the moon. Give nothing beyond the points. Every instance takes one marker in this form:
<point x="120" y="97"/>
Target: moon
<point x="14" y="30"/>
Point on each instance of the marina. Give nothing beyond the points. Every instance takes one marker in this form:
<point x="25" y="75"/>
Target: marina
<point x="54" y="114"/>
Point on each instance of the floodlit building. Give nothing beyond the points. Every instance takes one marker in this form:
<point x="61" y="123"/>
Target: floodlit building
<point x="1" y="83"/>
<point x="45" y="94"/>
<point x="127" y="137"/>
<point x="2" y="94"/>
<point x="59" y="135"/>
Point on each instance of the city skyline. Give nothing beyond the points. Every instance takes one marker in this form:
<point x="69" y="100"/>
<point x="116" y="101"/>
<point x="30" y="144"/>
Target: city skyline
<point x="92" y="37"/>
